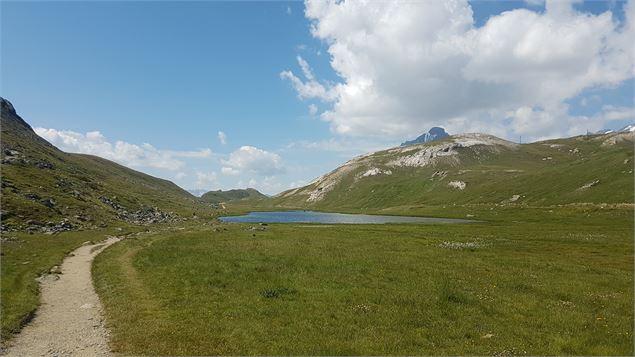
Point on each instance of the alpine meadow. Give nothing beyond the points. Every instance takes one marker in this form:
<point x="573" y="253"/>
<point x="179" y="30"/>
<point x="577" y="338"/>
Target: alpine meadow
<point x="320" y="178"/>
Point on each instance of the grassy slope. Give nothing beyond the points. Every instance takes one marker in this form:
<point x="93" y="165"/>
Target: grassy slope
<point x="232" y="195"/>
<point x="75" y="183"/>
<point x="540" y="281"/>
<point x="25" y="256"/>
<point x="492" y="178"/>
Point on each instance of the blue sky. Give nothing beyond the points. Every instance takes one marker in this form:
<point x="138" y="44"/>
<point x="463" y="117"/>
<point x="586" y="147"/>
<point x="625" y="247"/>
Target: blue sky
<point x="175" y="74"/>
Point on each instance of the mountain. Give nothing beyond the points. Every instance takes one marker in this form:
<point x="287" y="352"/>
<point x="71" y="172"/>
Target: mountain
<point x="46" y="189"/>
<point x="476" y="169"/>
<point x="626" y="129"/>
<point x="232" y="195"/>
<point x="435" y="133"/>
<point x="605" y="131"/>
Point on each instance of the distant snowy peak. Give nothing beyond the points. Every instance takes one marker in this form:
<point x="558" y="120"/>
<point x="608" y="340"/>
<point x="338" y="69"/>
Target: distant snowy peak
<point x="604" y="131"/>
<point x="435" y="133"/>
<point x="626" y="129"/>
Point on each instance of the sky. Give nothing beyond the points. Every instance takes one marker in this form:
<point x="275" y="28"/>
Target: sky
<point x="219" y="95"/>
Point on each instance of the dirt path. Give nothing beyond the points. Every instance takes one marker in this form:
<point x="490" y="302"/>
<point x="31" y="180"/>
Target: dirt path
<point x="69" y="320"/>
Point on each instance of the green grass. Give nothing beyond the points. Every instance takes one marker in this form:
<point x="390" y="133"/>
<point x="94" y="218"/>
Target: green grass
<point x="76" y="182"/>
<point x="527" y="282"/>
<point x="492" y="177"/>
<point x="24" y="258"/>
<point x="232" y="195"/>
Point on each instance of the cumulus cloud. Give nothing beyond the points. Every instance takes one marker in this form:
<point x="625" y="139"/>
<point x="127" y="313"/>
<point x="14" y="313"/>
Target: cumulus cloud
<point x="222" y="137"/>
<point x="407" y="66"/>
<point x="313" y="109"/>
<point x="206" y="180"/>
<point x="180" y="175"/>
<point x="144" y="155"/>
<point x="267" y="185"/>
<point x="249" y="159"/>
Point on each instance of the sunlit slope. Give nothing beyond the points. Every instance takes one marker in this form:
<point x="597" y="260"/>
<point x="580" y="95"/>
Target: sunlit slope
<point x="232" y="195"/>
<point x="478" y="168"/>
<point x="41" y="183"/>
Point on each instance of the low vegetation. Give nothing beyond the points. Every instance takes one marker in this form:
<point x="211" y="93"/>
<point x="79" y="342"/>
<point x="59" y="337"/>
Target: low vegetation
<point x="584" y="169"/>
<point x="547" y="269"/>
<point x="26" y="257"/>
<point x="549" y="281"/>
<point x="219" y="196"/>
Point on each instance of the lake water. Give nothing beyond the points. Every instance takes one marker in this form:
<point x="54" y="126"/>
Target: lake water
<point x="332" y="218"/>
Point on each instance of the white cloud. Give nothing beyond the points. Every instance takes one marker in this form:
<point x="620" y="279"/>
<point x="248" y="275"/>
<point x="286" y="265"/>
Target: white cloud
<point x="180" y="175"/>
<point x="206" y="180"/>
<point x="267" y="185"/>
<point x="344" y="146"/>
<point x="298" y="183"/>
<point x="610" y="113"/>
<point x="313" y="109"/>
<point x="144" y="155"/>
<point x="310" y="88"/>
<point x="539" y="123"/>
<point x="249" y="159"/>
<point x="407" y="66"/>
<point x="230" y="171"/>
<point x="222" y="137"/>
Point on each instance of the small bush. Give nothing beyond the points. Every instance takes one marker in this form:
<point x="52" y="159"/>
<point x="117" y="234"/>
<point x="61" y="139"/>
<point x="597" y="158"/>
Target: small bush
<point x="276" y="292"/>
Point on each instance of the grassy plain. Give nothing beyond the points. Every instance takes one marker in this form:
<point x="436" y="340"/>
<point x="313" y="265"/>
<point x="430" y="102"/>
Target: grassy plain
<point x="548" y="281"/>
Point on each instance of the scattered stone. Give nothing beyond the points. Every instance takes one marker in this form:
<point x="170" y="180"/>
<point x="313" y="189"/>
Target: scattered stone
<point x="32" y="196"/>
<point x="147" y="215"/>
<point x="439" y="175"/>
<point x="461" y="245"/>
<point x="589" y="185"/>
<point x="44" y="165"/>
<point x="457" y="184"/>
<point x="487" y="335"/>
<point x="374" y="172"/>
<point x="33" y="222"/>
<point x="55" y="270"/>
<point x="48" y="202"/>
<point x="11" y="152"/>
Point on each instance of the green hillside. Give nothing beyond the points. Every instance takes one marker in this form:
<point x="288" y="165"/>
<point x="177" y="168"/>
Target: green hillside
<point x="477" y="169"/>
<point x="45" y="189"/>
<point x="232" y="195"/>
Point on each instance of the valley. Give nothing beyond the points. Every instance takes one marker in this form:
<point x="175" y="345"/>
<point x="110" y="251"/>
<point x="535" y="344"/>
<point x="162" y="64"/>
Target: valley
<point x="545" y="268"/>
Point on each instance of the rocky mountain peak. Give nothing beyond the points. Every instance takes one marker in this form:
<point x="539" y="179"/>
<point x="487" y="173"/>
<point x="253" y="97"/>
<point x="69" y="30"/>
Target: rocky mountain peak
<point x="434" y="133"/>
<point x="7" y="106"/>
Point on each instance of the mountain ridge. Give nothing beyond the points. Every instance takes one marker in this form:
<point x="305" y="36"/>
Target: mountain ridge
<point x="435" y="133"/>
<point x="476" y="169"/>
<point x="46" y="189"/>
<point x="220" y="196"/>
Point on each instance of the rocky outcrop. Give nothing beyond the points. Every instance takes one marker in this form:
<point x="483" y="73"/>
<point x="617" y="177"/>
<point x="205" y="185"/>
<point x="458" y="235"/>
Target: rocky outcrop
<point x="146" y="215"/>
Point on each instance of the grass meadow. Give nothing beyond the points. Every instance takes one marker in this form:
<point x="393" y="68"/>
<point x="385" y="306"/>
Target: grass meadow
<point x="538" y="282"/>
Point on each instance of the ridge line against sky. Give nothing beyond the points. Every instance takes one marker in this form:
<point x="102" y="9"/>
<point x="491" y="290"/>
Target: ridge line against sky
<point x="271" y="95"/>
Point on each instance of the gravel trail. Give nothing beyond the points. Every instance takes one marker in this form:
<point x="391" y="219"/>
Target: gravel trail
<point x="69" y="320"/>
